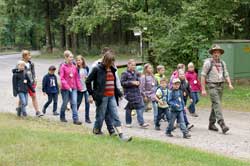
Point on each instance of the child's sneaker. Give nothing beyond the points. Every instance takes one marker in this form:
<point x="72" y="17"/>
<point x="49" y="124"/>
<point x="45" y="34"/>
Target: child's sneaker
<point x="128" y="125"/>
<point x="169" y="134"/>
<point x="157" y="128"/>
<point x="144" y="125"/>
<point x="38" y="114"/>
<point x="24" y="114"/>
<point x="133" y="113"/>
<point x="56" y="113"/>
<point x="187" y="136"/>
<point x="44" y="110"/>
<point x="189" y="127"/>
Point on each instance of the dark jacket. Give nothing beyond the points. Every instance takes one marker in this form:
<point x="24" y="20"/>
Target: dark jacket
<point x="176" y="97"/>
<point x="185" y="87"/>
<point x="97" y="78"/>
<point x="132" y="92"/>
<point x="21" y="82"/>
<point x="32" y="71"/>
<point x="50" y="84"/>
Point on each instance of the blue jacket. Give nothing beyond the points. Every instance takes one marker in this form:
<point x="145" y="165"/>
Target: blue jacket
<point x="50" y="84"/>
<point x="176" y="97"/>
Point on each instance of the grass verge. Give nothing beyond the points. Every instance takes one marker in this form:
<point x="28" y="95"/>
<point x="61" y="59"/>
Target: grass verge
<point x="42" y="142"/>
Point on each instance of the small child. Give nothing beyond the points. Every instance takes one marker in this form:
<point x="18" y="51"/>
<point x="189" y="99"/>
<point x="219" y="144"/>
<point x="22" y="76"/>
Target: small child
<point x="50" y="88"/>
<point x="176" y="104"/>
<point x="21" y="83"/>
<point x="193" y="80"/>
<point x="160" y="73"/>
<point x="186" y="93"/>
<point x="162" y="98"/>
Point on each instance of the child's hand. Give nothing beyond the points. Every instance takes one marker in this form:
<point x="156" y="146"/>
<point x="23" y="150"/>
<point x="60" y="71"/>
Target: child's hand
<point x="177" y="105"/>
<point x="161" y="102"/>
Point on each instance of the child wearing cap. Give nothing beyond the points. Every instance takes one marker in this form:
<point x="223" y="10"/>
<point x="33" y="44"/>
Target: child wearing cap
<point x="176" y="105"/>
<point x="162" y="99"/>
<point x="21" y="84"/>
<point x="50" y="88"/>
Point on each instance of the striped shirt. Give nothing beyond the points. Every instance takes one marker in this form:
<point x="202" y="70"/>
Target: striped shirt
<point x="109" y="85"/>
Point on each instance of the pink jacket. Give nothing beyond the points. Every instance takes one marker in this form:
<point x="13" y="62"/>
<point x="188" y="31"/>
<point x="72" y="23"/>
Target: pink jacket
<point x="193" y="80"/>
<point x="69" y="77"/>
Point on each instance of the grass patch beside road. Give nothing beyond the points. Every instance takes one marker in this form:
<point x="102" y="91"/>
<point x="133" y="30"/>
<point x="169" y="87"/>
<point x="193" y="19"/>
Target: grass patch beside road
<point x="38" y="142"/>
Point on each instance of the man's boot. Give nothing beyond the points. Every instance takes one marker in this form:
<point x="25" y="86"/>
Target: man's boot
<point x="212" y="126"/>
<point x="122" y="136"/>
<point x="223" y="126"/>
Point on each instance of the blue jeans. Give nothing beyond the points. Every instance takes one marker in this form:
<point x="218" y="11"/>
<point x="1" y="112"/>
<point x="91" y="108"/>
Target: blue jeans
<point x="108" y="108"/>
<point x="23" y="97"/>
<point x="139" y="112"/>
<point x="79" y="101"/>
<point x="54" y="97"/>
<point x="195" y="96"/>
<point x="69" y="96"/>
<point x="155" y="111"/>
<point x="180" y="117"/>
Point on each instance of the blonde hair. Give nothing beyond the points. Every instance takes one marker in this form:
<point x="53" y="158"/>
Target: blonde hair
<point x="191" y="64"/>
<point x="159" y="67"/>
<point x="67" y="53"/>
<point x="181" y="72"/>
<point x="131" y="61"/>
<point x="25" y="52"/>
<point x="146" y="66"/>
<point x="83" y="61"/>
<point x="20" y="63"/>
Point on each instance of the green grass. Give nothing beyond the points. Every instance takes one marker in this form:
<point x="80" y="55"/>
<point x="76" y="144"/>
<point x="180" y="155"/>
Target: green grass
<point x="38" y="142"/>
<point x="236" y="100"/>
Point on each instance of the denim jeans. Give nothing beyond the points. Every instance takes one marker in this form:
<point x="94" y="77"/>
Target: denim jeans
<point x="139" y="112"/>
<point x="108" y="108"/>
<point x="162" y="112"/>
<point x="180" y="117"/>
<point x="69" y="96"/>
<point x="54" y="97"/>
<point x="195" y="96"/>
<point x="23" y="97"/>
<point x="79" y="102"/>
<point x="155" y="110"/>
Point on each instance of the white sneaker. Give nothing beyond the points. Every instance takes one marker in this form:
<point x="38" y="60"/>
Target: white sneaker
<point x="128" y="125"/>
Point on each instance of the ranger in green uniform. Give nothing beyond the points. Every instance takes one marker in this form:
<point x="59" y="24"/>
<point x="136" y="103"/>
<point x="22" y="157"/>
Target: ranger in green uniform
<point x="214" y="74"/>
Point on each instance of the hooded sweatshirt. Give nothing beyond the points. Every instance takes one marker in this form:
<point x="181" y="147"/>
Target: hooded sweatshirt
<point x="193" y="80"/>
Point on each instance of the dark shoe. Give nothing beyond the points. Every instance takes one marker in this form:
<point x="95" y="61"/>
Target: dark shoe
<point x="18" y="110"/>
<point x="194" y="115"/>
<point x="157" y="128"/>
<point x="88" y="121"/>
<point x="144" y="125"/>
<point x="44" y="110"/>
<point x="189" y="127"/>
<point x="77" y="122"/>
<point x="24" y="114"/>
<point x="56" y="113"/>
<point x="113" y="134"/>
<point x="63" y="120"/>
<point x="169" y="134"/>
<point x="124" y="138"/>
<point x="212" y="127"/>
<point x="38" y="114"/>
<point x="187" y="136"/>
<point x="97" y="132"/>
<point x="223" y="126"/>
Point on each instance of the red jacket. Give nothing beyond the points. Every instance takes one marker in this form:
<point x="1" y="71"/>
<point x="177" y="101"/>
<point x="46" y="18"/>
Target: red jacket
<point x="193" y="80"/>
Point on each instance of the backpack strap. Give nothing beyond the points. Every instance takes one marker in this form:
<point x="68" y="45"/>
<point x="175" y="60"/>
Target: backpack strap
<point x="211" y="66"/>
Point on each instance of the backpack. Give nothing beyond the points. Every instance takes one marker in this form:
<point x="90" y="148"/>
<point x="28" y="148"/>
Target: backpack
<point x="211" y="66"/>
<point x="162" y="92"/>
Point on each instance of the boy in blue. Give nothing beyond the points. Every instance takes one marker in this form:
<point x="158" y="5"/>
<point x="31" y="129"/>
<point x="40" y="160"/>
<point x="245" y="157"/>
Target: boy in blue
<point x="176" y="104"/>
<point x="50" y="87"/>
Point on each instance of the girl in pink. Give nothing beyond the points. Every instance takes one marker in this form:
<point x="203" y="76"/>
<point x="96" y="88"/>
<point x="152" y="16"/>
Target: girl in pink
<point x="193" y="80"/>
<point x="175" y="74"/>
<point x="70" y="83"/>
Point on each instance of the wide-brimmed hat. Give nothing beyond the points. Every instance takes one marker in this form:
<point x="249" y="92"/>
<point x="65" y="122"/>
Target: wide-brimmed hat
<point x="216" y="47"/>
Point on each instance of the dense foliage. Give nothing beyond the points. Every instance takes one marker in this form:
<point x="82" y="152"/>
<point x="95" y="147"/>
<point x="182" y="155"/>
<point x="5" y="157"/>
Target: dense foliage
<point x="173" y="31"/>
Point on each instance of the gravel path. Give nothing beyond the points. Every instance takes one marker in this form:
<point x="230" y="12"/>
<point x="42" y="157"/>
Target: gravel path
<point x="235" y="144"/>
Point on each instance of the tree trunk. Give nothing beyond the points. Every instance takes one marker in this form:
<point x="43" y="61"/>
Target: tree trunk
<point x="63" y="37"/>
<point x="48" y="28"/>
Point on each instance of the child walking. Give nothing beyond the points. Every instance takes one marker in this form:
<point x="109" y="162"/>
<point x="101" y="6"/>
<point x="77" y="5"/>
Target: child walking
<point x="162" y="105"/>
<point x="21" y="83"/>
<point x="83" y="71"/>
<point x="193" y="80"/>
<point x="176" y="104"/>
<point x="50" y="88"/>
<point x="148" y="87"/>
<point x="160" y="73"/>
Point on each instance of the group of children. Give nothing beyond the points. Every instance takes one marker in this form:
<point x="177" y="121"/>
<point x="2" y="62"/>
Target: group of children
<point x="168" y="98"/>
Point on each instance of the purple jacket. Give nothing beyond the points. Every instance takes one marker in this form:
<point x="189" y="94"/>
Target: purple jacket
<point x="148" y="86"/>
<point x="132" y="92"/>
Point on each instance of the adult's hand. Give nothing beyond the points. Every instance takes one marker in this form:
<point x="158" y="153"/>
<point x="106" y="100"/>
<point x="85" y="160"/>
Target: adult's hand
<point x="230" y="86"/>
<point x="204" y="92"/>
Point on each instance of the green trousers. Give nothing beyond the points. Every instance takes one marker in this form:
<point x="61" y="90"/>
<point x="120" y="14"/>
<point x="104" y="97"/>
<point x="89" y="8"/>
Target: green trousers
<point x="215" y="91"/>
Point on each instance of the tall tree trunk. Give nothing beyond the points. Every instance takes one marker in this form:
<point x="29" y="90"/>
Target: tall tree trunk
<point x="48" y="28"/>
<point x="89" y="42"/>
